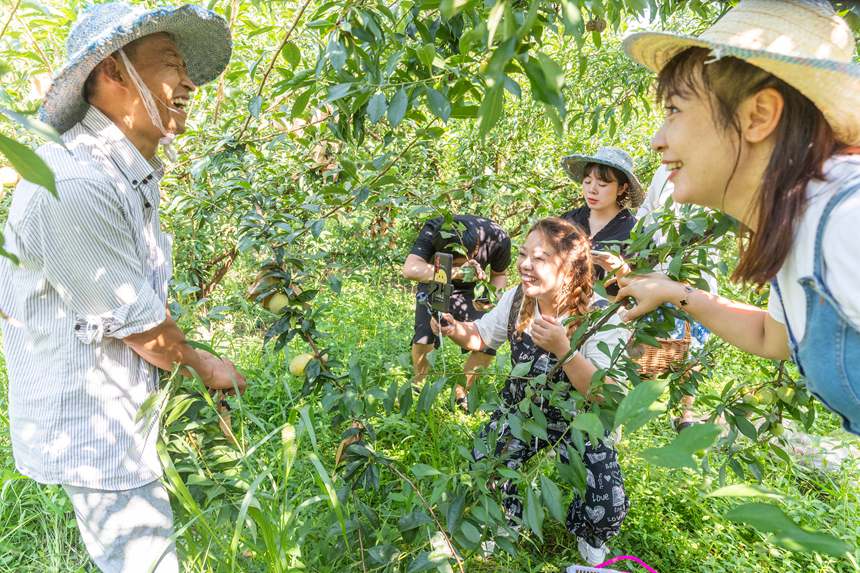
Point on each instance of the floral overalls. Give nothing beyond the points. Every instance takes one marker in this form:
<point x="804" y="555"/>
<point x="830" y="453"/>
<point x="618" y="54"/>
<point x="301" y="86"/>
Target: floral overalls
<point x="594" y="518"/>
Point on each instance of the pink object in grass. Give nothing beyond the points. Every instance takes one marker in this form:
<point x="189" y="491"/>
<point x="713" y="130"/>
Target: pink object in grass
<point x="628" y="558"/>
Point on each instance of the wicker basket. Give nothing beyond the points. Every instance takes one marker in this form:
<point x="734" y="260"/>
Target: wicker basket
<point x="654" y="360"/>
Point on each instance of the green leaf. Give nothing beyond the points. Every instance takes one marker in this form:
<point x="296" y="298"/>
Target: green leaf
<point x="450" y="8"/>
<point x="491" y="108"/>
<point x="324" y="481"/>
<point x="470" y="532"/>
<point x="535" y="429"/>
<point x="516" y="426"/>
<point x="301" y="103"/>
<point x="746" y="427"/>
<point x="426" y="54"/>
<point x="383" y="554"/>
<point x="33" y="125"/>
<point x="572" y="18"/>
<point x="292" y="54"/>
<point x="521" y="369"/>
<point x="412" y="521"/>
<point x="426" y="561"/>
<point x="423" y="470"/>
<point x="464" y="111"/>
<point x="639" y="406"/>
<point x="28" y="165"/>
<point x="679" y="453"/>
<point x="589" y="422"/>
<point x="745" y="490"/>
<point x="494" y="19"/>
<point x="534" y="513"/>
<point x="336" y="54"/>
<point x="397" y="107"/>
<point x="376" y="107"/>
<point x="551" y="495"/>
<point x="338" y="91"/>
<point x="438" y="104"/>
<point x="255" y="105"/>
<point x="784" y="532"/>
<point x="455" y="512"/>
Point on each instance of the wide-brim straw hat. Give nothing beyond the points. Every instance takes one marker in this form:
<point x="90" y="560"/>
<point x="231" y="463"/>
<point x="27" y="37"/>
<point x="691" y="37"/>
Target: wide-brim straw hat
<point x="575" y="166"/>
<point x="202" y="37"/>
<point x="802" y="42"/>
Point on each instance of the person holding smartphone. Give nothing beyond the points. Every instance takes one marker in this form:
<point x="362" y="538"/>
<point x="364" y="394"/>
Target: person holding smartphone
<point x="538" y="318"/>
<point x="476" y="243"/>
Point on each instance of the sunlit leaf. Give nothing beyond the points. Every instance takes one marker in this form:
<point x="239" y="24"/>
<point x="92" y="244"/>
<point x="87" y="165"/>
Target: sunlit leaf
<point x="784" y="532"/>
<point x="28" y="165"/>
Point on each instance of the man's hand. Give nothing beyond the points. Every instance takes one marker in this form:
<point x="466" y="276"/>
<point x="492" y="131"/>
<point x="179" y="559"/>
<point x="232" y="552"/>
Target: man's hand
<point x="444" y="330"/>
<point x="220" y="374"/>
<point x="548" y="333"/>
<point x="476" y="274"/>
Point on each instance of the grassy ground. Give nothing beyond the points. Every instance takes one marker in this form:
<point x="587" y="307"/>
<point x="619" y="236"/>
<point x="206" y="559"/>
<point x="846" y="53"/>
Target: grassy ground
<point x="670" y="524"/>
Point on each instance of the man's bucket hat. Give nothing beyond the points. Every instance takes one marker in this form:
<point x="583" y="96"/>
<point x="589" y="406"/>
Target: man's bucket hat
<point x="802" y="42"/>
<point x="613" y="157"/>
<point x="202" y="37"/>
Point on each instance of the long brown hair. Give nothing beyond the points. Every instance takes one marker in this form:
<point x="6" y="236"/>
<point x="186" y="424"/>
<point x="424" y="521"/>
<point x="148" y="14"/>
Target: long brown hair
<point x="570" y="243"/>
<point x="804" y="141"/>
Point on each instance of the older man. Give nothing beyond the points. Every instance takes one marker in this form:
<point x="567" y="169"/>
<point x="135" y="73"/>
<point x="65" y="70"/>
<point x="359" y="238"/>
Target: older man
<point x="89" y="326"/>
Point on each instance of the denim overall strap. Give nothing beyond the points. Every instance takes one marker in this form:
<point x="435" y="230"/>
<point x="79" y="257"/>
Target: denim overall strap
<point x="774" y="284"/>
<point x="830" y="350"/>
<point x="818" y="259"/>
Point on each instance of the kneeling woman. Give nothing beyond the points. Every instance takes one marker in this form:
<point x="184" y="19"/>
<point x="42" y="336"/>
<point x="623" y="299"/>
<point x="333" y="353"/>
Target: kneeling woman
<point x="555" y="266"/>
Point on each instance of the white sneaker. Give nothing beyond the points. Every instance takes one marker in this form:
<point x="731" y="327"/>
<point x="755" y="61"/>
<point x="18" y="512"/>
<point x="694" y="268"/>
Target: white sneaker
<point x="592" y="555"/>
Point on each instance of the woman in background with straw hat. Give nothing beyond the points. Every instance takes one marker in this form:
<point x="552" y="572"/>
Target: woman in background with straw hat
<point x="762" y="113"/>
<point x="610" y="189"/>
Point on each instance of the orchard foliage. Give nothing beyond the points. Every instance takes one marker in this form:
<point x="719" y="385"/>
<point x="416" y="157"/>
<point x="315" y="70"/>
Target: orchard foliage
<point x="336" y="129"/>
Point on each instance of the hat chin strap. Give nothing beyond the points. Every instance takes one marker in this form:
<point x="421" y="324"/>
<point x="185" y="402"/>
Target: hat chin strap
<point x="148" y="100"/>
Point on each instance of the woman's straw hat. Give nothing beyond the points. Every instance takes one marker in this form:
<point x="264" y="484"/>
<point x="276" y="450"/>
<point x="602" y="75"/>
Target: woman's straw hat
<point x="802" y="42"/>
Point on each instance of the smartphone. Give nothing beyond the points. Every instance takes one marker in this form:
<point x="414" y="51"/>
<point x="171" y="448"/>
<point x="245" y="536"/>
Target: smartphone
<point x="440" y="291"/>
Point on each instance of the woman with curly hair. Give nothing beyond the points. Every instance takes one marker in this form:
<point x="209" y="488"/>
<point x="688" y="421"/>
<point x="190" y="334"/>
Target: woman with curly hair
<point x="555" y="266"/>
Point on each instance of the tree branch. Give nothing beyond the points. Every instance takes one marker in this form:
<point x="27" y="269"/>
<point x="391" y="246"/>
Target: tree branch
<point x="272" y="63"/>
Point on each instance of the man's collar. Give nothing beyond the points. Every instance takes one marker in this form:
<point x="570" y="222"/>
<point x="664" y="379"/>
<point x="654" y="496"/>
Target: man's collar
<point x="136" y="168"/>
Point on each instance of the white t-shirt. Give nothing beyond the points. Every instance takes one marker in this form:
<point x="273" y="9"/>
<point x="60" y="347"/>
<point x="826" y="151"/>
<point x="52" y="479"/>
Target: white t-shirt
<point x="493" y="328"/>
<point x="842" y="261"/>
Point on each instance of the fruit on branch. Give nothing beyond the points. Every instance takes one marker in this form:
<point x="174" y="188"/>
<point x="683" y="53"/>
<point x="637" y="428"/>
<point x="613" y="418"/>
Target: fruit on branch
<point x="777" y="429"/>
<point x="766" y="396"/>
<point x="300" y="363"/>
<point x="597" y="24"/>
<point x="786" y="394"/>
<point x="277" y="302"/>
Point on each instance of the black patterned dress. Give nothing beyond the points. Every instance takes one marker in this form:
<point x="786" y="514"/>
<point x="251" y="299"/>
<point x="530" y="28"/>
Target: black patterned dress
<point x="598" y="515"/>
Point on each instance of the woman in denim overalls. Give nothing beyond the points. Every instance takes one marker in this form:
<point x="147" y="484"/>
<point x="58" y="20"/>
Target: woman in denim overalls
<point x="555" y="266"/>
<point x="762" y="127"/>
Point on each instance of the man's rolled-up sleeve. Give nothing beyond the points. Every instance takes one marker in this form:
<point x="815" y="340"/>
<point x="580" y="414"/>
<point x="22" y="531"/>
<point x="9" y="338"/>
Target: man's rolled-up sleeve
<point x="91" y="258"/>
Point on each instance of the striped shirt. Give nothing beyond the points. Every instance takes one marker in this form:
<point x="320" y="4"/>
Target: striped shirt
<point x="94" y="267"/>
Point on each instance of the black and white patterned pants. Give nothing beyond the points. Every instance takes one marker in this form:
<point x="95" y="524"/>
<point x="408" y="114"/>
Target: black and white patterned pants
<point x="595" y="518"/>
